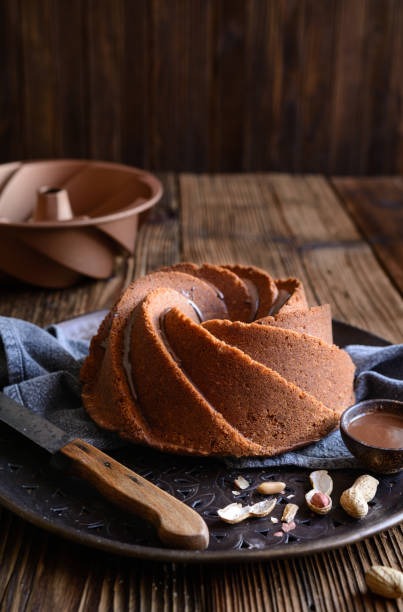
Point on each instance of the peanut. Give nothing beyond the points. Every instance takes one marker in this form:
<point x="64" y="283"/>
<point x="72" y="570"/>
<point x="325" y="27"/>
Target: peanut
<point x="355" y="499"/>
<point x="367" y="485"/>
<point x="385" y="581"/>
<point x="262" y="508"/>
<point x="241" y="482"/>
<point x="320" y="500"/>
<point x="289" y="513"/>
<point x="321" y="481"/>
<point x="233" y="513"/>
<point x="286" y="527"/>
<point x="269" y="488"/>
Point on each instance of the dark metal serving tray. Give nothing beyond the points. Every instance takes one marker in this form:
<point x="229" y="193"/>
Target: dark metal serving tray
<point x="32" y="488"/>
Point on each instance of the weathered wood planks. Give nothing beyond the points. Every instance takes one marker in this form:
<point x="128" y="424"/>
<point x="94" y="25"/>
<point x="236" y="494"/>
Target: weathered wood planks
<point x="205" y="85"/>
<point x="42" y="572"/>
<point x="376" y="206"/>
<point x="291" y="226"/>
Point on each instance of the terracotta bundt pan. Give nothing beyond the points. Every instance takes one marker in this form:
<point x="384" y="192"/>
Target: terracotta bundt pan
<point x="62" y="220"/>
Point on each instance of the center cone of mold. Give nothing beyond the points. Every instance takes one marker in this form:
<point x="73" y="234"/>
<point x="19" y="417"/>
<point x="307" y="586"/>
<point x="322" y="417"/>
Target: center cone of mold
<point x="53" y="204"/>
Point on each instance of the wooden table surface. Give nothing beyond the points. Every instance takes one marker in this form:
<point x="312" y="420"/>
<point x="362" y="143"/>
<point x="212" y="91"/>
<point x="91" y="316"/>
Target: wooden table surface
<point x="343" y="238"/>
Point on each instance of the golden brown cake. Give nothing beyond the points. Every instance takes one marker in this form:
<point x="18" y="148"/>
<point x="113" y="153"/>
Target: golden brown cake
<point x="217" y="360"/>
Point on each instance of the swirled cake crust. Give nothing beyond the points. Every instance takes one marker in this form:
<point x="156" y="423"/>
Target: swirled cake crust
<point x="217" y="360"/>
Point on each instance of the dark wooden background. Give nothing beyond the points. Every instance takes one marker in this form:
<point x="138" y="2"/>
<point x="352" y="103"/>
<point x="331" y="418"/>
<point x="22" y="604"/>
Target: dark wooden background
<point x="205" y="85"/>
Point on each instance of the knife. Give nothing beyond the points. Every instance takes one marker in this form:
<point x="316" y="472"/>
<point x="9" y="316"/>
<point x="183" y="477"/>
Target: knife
<point x="177" y="525"/>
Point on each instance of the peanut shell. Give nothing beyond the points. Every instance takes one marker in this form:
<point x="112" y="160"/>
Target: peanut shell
<point x="385" y="581"/>
<point x="289" y="513"/>
<point x="353" y="503"/>
<point x="367" y="485"/>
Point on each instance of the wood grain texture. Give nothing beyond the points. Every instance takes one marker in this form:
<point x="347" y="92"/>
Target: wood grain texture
<point x="178" y="525"/>
<point x="292" y="226"/>
<point x="206" y="85"/>
<point x="227" y="87"/>
<point x="40" y="122"/>
<point x="137" y="102"/>
<point x="376" y="205"/>
<point x="178" y="118"/>
<point x="11" y="102"/>
<point x="158" y="239"/>
<point x="54" y="574"/>
<point x="71" y="80"/>
<point x="105" y="52"/>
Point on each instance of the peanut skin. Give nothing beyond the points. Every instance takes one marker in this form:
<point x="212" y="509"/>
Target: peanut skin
<point x="320" y="500"/>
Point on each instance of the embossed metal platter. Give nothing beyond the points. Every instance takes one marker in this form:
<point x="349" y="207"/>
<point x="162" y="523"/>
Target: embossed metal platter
<point x="34" y="489"/>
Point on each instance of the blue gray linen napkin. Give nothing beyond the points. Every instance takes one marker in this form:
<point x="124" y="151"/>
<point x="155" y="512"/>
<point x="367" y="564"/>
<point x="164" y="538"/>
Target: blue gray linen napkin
<point x="40" y="369"/>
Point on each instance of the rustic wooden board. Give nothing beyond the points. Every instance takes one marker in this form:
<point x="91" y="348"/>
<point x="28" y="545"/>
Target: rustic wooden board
<point x="39" y="571"/>
<point x="376" y="205"/>
<point x="45" y="307"/>
<point x="291" y="226"/>
<point x="158" y="238"/>
<point x="206" y="85"/>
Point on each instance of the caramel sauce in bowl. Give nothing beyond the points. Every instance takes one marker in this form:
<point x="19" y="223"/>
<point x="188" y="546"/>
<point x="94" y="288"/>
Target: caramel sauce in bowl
<point x="372" y="430"/>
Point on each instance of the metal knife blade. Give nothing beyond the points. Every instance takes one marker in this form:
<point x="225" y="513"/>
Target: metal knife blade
<point x="32" y="425"/>
<point x="177" y="524"/>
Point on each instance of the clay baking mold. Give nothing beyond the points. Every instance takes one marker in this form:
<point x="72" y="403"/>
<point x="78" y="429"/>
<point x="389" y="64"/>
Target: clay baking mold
<point x="64" y="220"/>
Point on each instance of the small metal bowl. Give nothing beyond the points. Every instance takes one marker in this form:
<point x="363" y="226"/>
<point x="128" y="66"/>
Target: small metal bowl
<point x="377" y="459"/>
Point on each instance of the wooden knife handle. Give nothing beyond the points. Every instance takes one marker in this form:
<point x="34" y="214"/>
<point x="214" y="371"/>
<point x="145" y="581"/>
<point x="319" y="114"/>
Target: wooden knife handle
<point x="177" y="525"/>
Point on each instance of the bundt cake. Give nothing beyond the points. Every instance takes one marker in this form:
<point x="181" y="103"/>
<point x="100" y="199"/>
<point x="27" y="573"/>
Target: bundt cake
<point x="216" y="360"/>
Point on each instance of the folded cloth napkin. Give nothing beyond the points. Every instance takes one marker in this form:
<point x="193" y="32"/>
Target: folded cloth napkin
<point x="40" y="369"/>
<point x="379" y="374"/>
